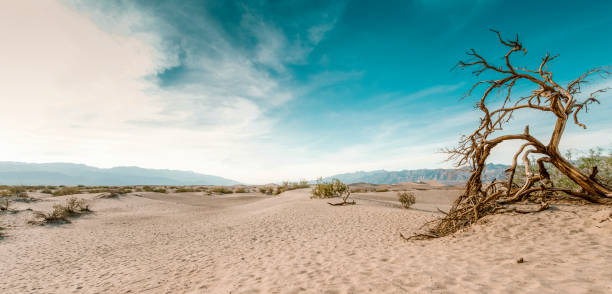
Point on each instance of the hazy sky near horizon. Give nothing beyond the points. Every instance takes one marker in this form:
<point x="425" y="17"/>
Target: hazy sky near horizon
<point x="262" y="91"/>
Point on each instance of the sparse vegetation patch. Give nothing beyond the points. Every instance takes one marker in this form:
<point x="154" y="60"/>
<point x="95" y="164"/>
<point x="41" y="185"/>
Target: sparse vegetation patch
<point x="332" y="189"/>
<point x="407" y="199"/>
<point x="61" y="213"/>
<point x="154" y="189"/>
<point x="66" y="191"/>
<point x="221" y="190"/>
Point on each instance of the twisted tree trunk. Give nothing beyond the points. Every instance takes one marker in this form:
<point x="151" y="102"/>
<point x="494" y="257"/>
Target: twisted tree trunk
<point x="478" y="200"/>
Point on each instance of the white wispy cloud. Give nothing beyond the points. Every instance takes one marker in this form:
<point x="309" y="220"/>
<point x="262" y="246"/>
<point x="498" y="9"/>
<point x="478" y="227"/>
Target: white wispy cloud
<point x="77" y="86"/>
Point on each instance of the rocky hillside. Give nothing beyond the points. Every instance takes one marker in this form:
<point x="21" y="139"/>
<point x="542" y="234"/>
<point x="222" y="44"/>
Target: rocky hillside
<point x="20" y="173"/>
<point x="444" y="176"/>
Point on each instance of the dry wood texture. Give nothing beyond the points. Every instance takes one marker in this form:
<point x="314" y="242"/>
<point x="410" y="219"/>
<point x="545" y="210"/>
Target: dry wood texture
<point x="480" y="199"/>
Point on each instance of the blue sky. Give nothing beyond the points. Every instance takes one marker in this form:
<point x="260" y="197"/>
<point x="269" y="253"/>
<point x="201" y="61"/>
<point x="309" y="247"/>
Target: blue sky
<point x="262" y="91"/>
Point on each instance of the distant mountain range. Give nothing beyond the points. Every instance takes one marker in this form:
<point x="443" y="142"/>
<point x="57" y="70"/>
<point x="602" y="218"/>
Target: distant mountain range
<point x="19" y="173"/>
<point x="443" y="176"/>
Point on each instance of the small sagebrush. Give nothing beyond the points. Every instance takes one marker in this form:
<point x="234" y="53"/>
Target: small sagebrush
<point x="61" y="213"/>
<point x="407" y="199"/>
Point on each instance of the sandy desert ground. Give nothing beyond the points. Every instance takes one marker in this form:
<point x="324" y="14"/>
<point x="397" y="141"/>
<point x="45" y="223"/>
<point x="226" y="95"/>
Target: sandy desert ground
<point x="190" y="243"/>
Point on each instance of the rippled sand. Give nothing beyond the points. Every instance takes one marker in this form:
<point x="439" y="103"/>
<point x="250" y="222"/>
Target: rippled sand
<point x="190" y="243"/>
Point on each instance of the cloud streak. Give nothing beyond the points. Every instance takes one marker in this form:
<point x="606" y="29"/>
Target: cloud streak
<point x="253" y="91"/>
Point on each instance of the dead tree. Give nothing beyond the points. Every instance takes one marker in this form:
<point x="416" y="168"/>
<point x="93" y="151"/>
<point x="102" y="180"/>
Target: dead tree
<point x="480" y="199"/>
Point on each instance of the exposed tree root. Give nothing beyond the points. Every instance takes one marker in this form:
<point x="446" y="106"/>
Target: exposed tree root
<point x="342" y="203"/>
<point x="347" y="194"/>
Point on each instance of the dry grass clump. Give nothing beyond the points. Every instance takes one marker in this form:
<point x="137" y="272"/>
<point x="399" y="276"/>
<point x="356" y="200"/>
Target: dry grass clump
<point x="361" y="190"/>
<point x="268" y="190"/>
<point x="17" y="191"/>
<point x="66" y="191"/>
<point x="111" y="190"/>
<point x="407" y="199"/>
<point x="332" y="189"/>
<point x="61" y="213"/>
<point x="288" y="186"/>
<point x="4" y="205"/>
<point x="241" y="190"/>
<point x="185" y="190"/>
<point x="154" y="189"/>
<point x="221" y="190"/>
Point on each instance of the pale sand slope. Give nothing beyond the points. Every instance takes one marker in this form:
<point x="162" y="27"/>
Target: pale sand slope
<point x="291" y="244"/>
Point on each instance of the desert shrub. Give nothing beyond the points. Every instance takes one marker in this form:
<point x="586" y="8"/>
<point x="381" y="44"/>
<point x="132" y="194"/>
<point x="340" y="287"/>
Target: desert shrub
<point x="113" y="192"/>
<point x="240" y="190"/>
<point x="221" y="190"/>
<point x="4" y="205"/>
<point x="288" y="186"/>
<point x="335" y="188"/>
<point x="17" y="191"/>
<point x="60" y="213"/>
<point x="185" y="190"/>
<point x="66" y="191"/>
<point x="268" y="190"/>
<point x="407" y="199"/>
<point x="46" y="191"/>
<point x="382" y="190"/>
<point x="154" y="189"/>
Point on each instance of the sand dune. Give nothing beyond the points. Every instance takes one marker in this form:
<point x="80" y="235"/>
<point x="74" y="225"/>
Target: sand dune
<point x="291" y="244"/>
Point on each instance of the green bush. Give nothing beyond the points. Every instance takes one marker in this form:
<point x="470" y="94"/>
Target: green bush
<point x="407" y="199"/>
<point x="584" y="163"/>
<point x="335" y="188"/>
<point x="288" y="186"/>
<point x="66" y="191"/>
